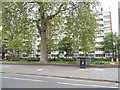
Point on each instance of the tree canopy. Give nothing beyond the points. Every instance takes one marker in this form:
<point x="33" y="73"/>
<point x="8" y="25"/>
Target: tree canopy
<point x="21" y="19"/>
<point x="17" y="30"/>
<point x="110" y="43"/>
<point x="66" y="45"/>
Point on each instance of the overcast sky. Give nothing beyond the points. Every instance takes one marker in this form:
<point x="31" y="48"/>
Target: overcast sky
<point x="113" y="6"/>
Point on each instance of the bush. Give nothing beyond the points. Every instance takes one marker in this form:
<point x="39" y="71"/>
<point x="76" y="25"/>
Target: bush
<point x="32" y="59"/>
<point x="14" y="59"/>
<point x="54" y="59"/>
<point x="25" y="59"/>
<point x="37" y="55"/>
<point x="62" y="59"/>
<point x="102" y="59"/>
<point x="10" y="56"/>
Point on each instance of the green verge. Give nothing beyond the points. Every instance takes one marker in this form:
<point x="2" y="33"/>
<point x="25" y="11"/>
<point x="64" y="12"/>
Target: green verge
<point x="6" y="61"/>
<point x="50" y="62"/>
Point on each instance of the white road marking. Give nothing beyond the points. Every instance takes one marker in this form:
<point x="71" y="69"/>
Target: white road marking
<point x="89" y="69"/>
<point x="66" y="79"/>
<point x="85" y="85"/>
<point x="3" y="66"/>
<point x="86" y="69"/>
<point x="116" y="84"/>
<point x="99" y="69"/>
<point x="24" y="79"/>
<point x="6" y="66"/>
<point x="39" y="70"/>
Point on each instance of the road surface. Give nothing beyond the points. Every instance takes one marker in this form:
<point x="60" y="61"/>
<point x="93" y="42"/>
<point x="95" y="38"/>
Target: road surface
<point x="33" y="81"/>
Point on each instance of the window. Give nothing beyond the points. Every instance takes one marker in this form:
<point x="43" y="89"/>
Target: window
<point x="100" y="55"/>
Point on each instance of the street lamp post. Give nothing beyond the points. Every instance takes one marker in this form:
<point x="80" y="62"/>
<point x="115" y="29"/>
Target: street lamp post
<point x="118" y="48"/>
<point x="115" y="50"/>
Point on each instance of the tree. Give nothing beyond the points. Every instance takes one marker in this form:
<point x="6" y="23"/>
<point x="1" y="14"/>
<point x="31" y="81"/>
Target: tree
<point x="0" y="28"/>
<point x="17" y="31"/>
<point x="110" y="43"/>
<point x="118" y="47"/>
<point x="75" y="18"/>
<point x="82" y="25"/>
<point x="66" y="44"/>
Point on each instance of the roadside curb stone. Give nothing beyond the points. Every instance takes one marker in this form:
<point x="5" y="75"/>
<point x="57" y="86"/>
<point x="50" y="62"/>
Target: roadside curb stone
<point x="75" y="65"/>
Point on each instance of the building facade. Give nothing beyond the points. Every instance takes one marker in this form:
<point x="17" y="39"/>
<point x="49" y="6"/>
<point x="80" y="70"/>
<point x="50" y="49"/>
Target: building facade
<point x="119" y="28"/>
<point x="119" y="18"/>
<point x="105" y="20"/>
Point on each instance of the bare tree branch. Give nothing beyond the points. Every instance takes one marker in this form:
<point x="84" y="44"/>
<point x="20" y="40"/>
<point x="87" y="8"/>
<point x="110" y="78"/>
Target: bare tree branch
<point x="38" y="2"/>
<point x="38" y="26"/>
<point x="52" y="16"/>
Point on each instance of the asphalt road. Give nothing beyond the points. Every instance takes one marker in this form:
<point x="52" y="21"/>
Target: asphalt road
<point x="32" y="81"/>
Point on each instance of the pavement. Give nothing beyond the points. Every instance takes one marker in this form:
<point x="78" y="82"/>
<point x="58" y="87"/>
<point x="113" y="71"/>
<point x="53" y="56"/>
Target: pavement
<point x="73" y="72"/>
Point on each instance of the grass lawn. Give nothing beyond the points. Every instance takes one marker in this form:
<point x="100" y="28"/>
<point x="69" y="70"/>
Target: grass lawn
<point x="6" y="61"/>
<point x="50" y="62"/>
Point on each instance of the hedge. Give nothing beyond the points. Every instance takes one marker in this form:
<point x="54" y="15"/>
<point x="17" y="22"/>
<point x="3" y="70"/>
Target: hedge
<point x="57" y="59"/>
<point x="62" y="59"/>
<point x="102" y="59"/>
<point x="26" y="59"/>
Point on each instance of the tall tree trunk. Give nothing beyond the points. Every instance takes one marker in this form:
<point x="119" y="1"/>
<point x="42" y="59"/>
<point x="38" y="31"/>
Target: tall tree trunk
<point x="44" y="55"/>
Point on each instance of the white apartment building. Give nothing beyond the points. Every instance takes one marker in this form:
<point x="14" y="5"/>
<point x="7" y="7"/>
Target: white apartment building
<point x="119" y="18"/>
<point x="119" y="28"/>
<point x="106" y="27"/>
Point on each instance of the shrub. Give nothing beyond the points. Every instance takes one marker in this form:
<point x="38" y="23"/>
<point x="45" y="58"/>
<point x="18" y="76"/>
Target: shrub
<point x="102" y="59"/>
<point x="25" y="59"/>
<point x="10" y="56"/>
<point x="32" y="59"/>
<point x="37" y="55"/>
<point x="62" y="59"/>
<point x="15" y="59"/>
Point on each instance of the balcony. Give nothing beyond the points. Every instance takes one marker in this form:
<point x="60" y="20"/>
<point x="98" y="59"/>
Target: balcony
<point x="98" y="45"/>
<point x="99" y="52"/>
<point x="106" y="19"/>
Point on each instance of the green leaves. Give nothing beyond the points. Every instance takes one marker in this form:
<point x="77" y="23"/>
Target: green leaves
<point x="16" y="26"/>
<point x="110" y="42"/>
<point x="82" y="25"/>
<point x="66" y="44"/>
<point x="21" y="22"/>
<point x="79" y="21"/>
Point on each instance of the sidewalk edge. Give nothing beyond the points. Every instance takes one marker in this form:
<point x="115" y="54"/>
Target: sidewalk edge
<point x="93" y="66"/>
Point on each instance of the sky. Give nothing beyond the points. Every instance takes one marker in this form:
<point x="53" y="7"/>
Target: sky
<point x="112" y="5"/>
